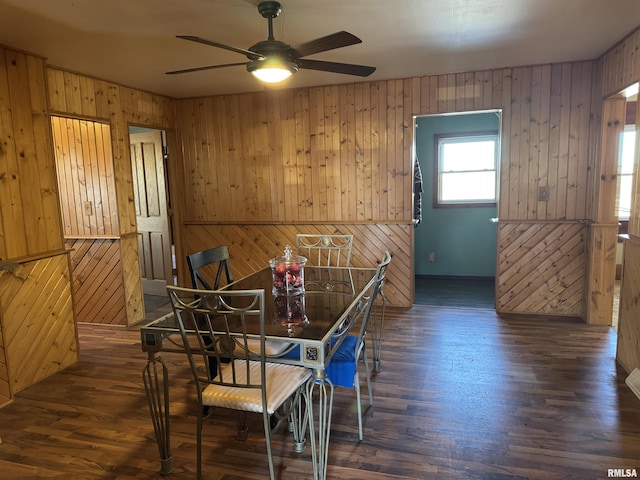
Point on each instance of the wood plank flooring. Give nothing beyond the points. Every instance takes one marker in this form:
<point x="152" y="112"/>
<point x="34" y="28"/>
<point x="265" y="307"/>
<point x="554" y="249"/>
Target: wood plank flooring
<point x="450" y="291"/>
<point x="463" y="394"/>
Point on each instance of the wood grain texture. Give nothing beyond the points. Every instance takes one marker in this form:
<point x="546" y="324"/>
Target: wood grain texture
<point x="601" y="244"/>
<point x="29" y="210"/>
<point x="463" y="394"/>
<point x="621" y="64"/>
<point x="252" y="246"/>
<point x="621" y="68"/>
<point x="541" y="268"/>
<point x="340" y="155"/>
<point x="628" y="352"/>
<point x="5" y="384"/>
<point x="98" y="290"/>
<point x="72" y="94"/>
<point x="85" y="177"/>
<point x="39" y="330"/>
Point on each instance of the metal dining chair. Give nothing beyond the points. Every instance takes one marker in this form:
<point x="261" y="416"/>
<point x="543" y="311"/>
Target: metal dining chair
<point x="376" y="325"/>
<point x="202" y="262"/>
<point x="242" y="379"/>
<point x="325" y="250"/>
<point x="342" y="369"/>
<point x="202" y="265"/>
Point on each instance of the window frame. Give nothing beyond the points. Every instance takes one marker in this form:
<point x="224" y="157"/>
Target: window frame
<point x="495" y="134"/>
<point x="627" y="128"/>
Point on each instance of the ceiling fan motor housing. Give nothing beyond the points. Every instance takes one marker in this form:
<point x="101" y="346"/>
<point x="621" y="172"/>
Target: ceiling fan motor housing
<point x="273" y="47"/>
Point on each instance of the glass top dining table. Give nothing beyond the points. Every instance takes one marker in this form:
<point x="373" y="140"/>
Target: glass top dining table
<point x="316" y="320"/>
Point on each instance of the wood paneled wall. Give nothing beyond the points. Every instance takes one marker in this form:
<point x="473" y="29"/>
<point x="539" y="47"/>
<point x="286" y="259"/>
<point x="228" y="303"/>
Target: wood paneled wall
<point x="621" y="65"/>
<point x="97" y="281"/>
<point x="85" y="177"/>
<point x="628" y="349"/>
<point x="29" y="211"/>
<point x="252" y="246"/>
<point x="541" y="268"/>
<point x="75" y="95"/>
<point x="72" y="94"/>
<point x="36" y="316"/>
<point x="621" y="68"/>
<point x="39" y="330"/>
<point x="306" y="155"/>
<point x="340" y="157"/>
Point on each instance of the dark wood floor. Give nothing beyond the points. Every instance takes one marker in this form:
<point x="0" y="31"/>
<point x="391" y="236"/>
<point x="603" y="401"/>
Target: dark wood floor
<point x="464" y="394"/>
<point x="451" y="291"/>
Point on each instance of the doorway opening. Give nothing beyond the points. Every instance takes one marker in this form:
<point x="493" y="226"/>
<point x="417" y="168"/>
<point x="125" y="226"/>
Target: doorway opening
<point x="456" y="236"/>
<point x="153" y="213"/>
<point x="626" y="159"/>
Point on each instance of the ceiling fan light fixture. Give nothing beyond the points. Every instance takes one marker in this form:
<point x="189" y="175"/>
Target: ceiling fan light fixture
<point x="272" y="69"/>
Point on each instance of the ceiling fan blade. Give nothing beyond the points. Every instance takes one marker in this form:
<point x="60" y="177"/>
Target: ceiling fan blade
<point x="210" y="67"/>
<point x="346" y="68"/>
<point x="322" y="44"/>
<point x="248" y="53"/>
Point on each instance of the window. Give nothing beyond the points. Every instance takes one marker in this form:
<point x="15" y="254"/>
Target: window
<point x="625" y="172"/>
<point x="466" y="167"/>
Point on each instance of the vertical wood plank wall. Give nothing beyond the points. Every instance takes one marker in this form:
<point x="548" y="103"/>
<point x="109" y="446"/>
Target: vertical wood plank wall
<point x="36" y="317"/>
<point x="85" y="177"/>
<point x="75" y="95"/>
<point x="621" y="68"/>
<point x="29" y="211"/>
<point x="338" y="159"/>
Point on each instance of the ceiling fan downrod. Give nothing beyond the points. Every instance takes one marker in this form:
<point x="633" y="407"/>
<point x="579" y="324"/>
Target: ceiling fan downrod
<point x="270" y="10"/>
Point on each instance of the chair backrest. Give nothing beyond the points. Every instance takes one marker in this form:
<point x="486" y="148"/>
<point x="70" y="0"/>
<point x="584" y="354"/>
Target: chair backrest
<point x="224" y="316"/>
<point x="368" y="307"/>
<point x="325" y="250"/>
<point x="209" y="258"/>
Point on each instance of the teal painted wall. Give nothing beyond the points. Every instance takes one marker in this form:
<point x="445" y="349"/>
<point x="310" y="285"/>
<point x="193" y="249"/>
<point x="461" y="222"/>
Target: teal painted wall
<point x="463" y="239"/>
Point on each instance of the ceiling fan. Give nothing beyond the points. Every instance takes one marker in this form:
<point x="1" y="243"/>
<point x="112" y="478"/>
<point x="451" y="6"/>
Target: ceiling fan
<point x="272" y="60"/>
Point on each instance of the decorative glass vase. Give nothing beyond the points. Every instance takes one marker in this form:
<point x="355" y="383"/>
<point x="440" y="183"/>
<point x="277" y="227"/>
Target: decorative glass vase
<point x="288" y="273"/>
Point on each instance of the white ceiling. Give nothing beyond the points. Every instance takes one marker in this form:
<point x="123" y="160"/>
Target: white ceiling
<point x="132" y="42"/>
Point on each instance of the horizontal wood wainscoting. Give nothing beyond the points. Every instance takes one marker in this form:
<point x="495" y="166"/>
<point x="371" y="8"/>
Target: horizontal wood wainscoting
<point x="37" y="323"/>
<point x="541" y="267"/>
<point x="251" y="247"/>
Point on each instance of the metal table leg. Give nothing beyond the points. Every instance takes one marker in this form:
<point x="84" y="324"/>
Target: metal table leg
<point x="298" y="420"/>
<point x="156" y="386"/>
<point x="319" y="450"/>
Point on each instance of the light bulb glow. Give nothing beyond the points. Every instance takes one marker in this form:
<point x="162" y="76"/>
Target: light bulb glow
<point x="272" y="69"/>
<point x="271" y="75"/>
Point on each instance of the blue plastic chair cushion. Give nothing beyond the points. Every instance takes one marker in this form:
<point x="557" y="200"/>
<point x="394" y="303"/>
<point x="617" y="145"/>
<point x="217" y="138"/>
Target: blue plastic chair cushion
<point x="342" y="367"/>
